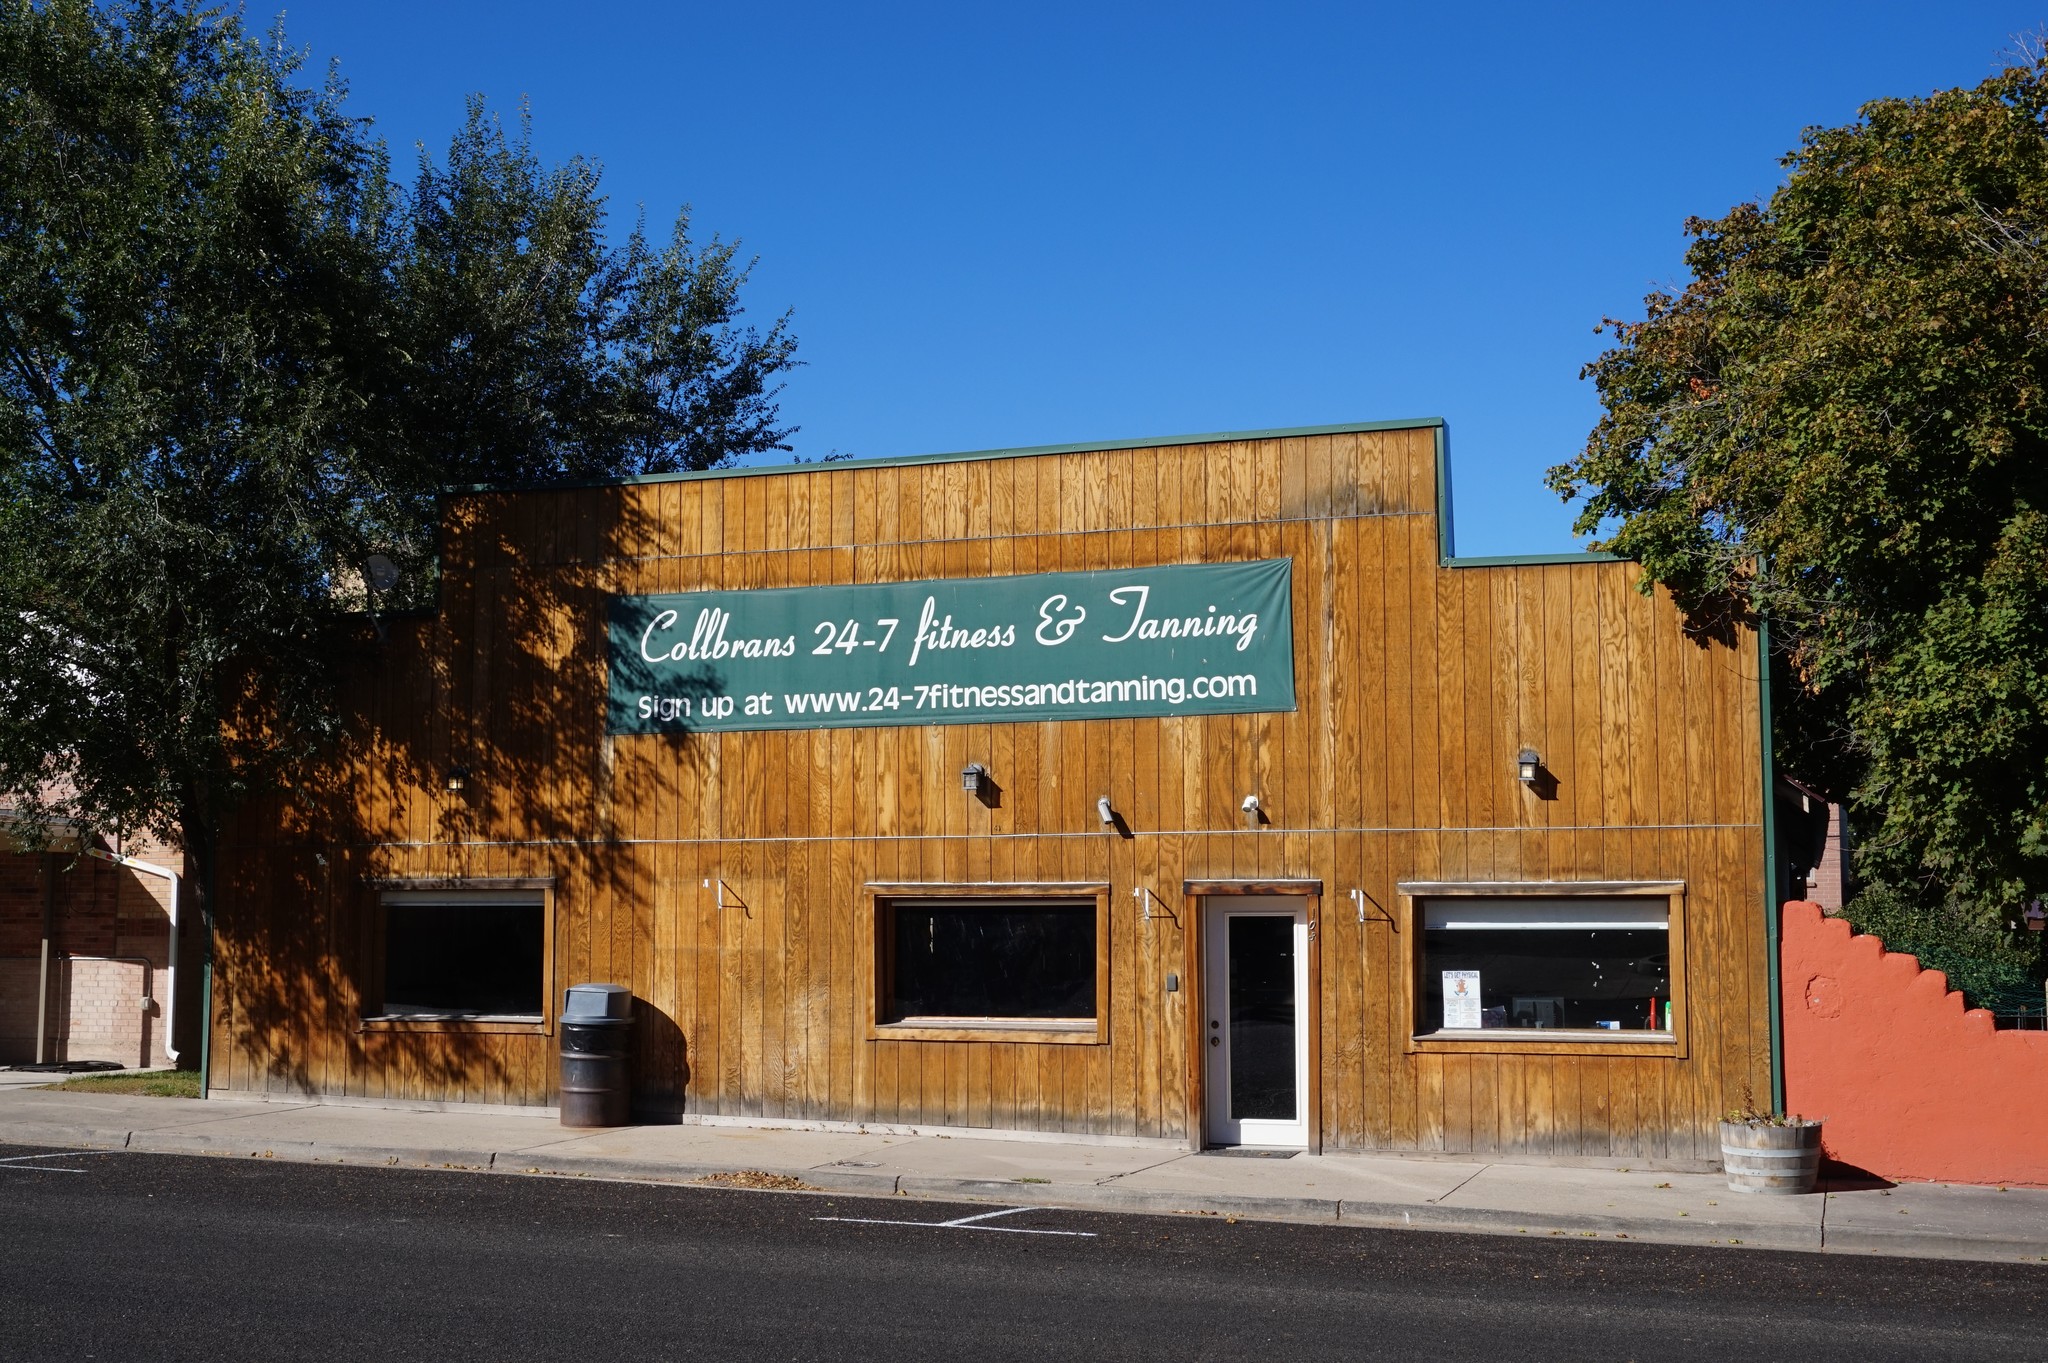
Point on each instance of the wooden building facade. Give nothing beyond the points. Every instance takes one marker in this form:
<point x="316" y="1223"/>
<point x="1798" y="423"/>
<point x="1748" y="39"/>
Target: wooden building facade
<point x="1486" y="747"/>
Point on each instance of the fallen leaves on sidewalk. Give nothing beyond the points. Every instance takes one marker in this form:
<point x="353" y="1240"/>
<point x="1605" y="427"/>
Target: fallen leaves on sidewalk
<point x="757" y="1178"/>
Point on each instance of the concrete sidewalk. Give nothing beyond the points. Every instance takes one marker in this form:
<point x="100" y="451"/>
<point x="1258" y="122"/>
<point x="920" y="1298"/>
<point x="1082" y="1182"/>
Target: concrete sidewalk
<point x="1920" y="1220"/>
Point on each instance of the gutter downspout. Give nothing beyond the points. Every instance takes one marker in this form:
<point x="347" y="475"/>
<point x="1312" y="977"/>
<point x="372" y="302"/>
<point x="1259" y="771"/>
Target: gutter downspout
<point x="1772" y="893"/>
<point x="206" y="1015"/>
<point x="43" y="963"/>
<point x="170" y="955"/>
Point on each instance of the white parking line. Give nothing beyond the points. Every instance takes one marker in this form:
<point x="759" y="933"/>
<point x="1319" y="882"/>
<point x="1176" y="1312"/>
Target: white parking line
<point x="21" y="1162"/>
<point x="963" y="1223"/>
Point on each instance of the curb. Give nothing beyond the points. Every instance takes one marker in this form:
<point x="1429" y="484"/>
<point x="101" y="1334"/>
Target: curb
<point x="1074" y="1196"/>
<point x="90" y="1137"/>
<point x="1924" y="1246"/>
<point x="302" y="1152"/>
<point x="1101" y="1197"/>
<point x="1491" y="1221"/>
<point x="648" y="1171"/>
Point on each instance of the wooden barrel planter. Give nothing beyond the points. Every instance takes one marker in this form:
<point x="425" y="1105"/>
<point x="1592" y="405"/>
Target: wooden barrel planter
<point x="1762" y="1158"/>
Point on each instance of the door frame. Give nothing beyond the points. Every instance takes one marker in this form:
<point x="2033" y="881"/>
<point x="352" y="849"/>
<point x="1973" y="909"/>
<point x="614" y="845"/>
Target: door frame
<point x="1193" y="892"/>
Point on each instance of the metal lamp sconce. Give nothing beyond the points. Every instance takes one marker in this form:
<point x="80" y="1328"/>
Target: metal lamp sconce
<point x="1111" y="820"/>
<point x="976" y="781"/>
<point x="1531" y="772"/>
<point x="458" y="777"/>
<point x="1254" y="814"/>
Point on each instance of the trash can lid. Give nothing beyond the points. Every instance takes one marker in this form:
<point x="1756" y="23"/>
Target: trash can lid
<point x="597" y="1003"/>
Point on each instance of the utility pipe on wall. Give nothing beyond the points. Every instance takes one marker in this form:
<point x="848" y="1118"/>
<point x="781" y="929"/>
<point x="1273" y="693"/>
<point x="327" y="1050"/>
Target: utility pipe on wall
<point x="43" y="962"/>
<point x="171" y="954"/>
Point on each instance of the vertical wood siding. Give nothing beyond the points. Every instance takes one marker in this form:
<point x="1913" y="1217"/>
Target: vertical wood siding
<point x="1416" y="685"/>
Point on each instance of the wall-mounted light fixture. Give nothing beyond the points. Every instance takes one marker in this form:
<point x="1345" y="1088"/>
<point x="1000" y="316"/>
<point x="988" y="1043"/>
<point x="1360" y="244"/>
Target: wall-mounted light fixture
<point x="974" y="779"/>
<point x="1103" y="811"/>
<point x="1251" y="811"/>
<point x="458" y="776"/>
<point x="1529" y="766"/>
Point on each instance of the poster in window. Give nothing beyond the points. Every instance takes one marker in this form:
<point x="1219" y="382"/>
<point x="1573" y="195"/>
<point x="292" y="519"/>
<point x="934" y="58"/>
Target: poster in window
<point x="1461" y="999"/>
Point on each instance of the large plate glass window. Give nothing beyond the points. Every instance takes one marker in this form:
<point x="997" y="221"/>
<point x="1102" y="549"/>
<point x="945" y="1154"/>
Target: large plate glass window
<point x="451" y="954"/>
<point x="1516" y="966"/>
<point x="987" y="961"/>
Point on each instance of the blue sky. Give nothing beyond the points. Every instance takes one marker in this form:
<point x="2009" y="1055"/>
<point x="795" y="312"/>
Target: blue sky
<point x="1005" y="226"/>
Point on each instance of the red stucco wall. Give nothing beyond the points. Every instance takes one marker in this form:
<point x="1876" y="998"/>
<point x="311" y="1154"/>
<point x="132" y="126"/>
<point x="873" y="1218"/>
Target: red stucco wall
<point x="1911" y="1086"/>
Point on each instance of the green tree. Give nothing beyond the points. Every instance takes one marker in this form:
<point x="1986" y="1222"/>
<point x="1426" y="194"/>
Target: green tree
<point x="236" y="361"/>
<point x="190" y="308"/>
<point x="542" y="351"/>
<point x="1840" y="424"/>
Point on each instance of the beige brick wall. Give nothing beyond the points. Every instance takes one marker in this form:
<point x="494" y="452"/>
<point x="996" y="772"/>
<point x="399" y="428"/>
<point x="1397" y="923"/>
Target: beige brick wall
<point x="99" y="1012"/>
<point x="95" y="1011"/>
<point x="98" y="909"/>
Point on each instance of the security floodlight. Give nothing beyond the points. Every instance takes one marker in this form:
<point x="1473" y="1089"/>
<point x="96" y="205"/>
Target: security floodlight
<point x="1102" y="808"/>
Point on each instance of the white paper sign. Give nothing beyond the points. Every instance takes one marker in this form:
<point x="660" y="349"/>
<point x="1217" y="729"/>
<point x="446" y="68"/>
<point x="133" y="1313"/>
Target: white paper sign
<point x="1461" y="999"/>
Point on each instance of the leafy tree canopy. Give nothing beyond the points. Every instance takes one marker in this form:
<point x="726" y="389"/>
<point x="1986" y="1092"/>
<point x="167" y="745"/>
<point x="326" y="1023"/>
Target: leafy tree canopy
<point x="236" y="360"/>
<point x="1839" y="424"/>
<point x="540" y="351"/>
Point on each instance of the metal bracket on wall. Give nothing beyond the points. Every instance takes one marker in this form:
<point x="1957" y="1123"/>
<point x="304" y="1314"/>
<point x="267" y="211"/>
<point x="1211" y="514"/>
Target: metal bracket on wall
<point x="1361" y="899"/>
<point x="1146" y="899"/>
<point x="725" y="889"/>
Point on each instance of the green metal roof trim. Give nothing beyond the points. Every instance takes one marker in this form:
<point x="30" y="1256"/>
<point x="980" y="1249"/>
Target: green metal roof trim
<point x="1436" y="423"/>
<point x="1447" y="559"/>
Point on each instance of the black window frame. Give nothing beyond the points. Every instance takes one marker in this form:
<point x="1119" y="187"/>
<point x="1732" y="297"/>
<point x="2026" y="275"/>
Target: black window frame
<point x="885" y="1022"/>
<point x="523" y="895"/>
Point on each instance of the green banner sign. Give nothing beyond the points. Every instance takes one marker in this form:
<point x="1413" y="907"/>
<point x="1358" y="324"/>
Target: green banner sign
<point x="1197" y="639"/>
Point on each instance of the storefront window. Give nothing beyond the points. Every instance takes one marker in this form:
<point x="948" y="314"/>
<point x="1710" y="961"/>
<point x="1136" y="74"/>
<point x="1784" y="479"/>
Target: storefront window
<point x="464" y="954"/>
<point x="1525" y="965"/>
<point x="1030" y="960"/>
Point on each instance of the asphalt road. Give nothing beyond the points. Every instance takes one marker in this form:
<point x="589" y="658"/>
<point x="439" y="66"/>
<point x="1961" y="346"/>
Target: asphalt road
<point x="142" y="1257"/>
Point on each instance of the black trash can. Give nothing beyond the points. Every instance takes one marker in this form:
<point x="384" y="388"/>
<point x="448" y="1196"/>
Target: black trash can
<point x="597" y="1055"/>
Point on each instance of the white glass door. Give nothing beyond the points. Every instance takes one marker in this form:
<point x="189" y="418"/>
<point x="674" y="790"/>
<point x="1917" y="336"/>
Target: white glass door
<point x="1255" y="1021"/>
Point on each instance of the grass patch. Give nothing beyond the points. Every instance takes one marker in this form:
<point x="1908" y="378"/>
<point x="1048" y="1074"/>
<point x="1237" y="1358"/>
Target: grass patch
<point x="163" y="1084"/>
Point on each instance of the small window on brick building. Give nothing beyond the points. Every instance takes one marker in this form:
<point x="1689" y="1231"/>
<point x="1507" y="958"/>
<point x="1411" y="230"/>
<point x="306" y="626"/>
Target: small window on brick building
<point x="449" y="954"/>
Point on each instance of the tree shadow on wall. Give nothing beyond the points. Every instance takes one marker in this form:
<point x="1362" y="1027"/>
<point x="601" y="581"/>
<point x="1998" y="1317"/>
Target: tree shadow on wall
<point x="475" y="749"/>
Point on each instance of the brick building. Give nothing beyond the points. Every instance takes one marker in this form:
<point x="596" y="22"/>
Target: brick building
<point x="106" y="979"/>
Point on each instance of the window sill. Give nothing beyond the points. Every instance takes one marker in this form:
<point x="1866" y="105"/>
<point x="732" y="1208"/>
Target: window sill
<point x="1049" y="1031"/>
<point x="472" y="1024"/>
<point x="1545" y="1041"/>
